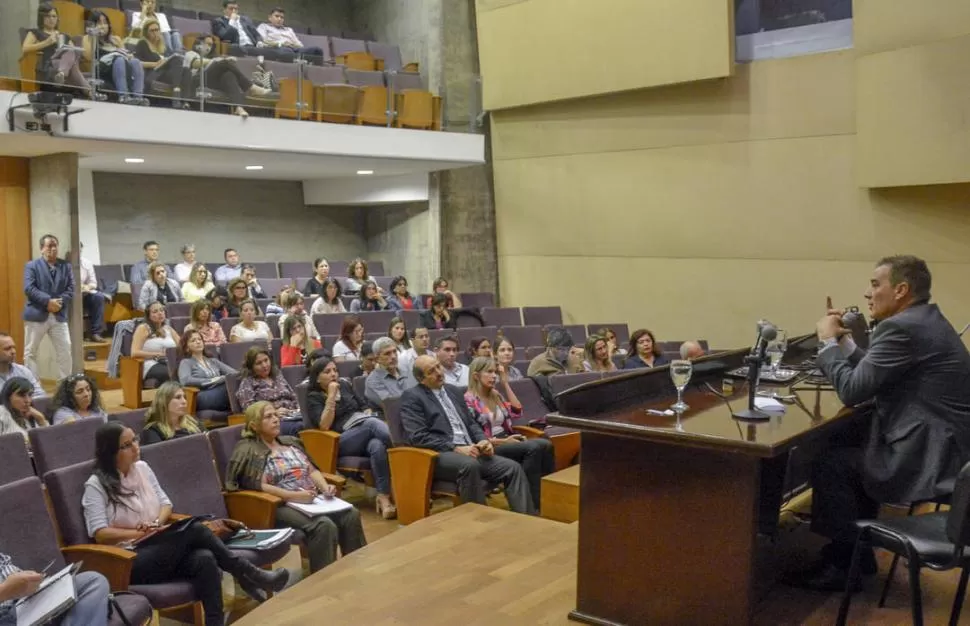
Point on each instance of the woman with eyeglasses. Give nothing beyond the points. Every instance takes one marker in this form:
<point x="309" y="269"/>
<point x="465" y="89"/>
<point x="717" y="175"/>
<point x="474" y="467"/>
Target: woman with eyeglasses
<point x="149" y="10"/>
<point x="238" y="293"/>
<point x="198" y="284"/>
<point x="205" y="373"/>
<point x="162" y="64"/>
<point x="16" y="413"/>
<point x="57" y="60"/>
<point x="77" y="398"/>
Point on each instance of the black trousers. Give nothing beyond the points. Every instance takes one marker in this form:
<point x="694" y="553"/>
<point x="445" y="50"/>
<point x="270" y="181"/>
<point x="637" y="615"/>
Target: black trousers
<point x="158" y="373"/>
<point x="284" y="55"/>
<point x="537" y="458"/>
<point x="213" y="399"/>
<point x="196" y="555"/>
<point x="173" y="74"/>
<point x="226" y="77"/>
<point x="469" y="473"/>
<point x="93" y="304"/>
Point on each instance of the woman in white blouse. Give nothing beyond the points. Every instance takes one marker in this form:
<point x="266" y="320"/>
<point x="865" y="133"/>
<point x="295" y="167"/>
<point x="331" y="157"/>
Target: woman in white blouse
<point x="173" y="40"/>
<point x="183" y="271"/>
<point x="329" y="300"/>
<point x="249" y="328"/>
<point x="199" y="284"/>
<point x="351" y="340"/>
<point x="150" y="340"/>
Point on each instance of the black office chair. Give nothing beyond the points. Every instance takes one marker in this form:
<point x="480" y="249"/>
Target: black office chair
<point x="935" y="540"/>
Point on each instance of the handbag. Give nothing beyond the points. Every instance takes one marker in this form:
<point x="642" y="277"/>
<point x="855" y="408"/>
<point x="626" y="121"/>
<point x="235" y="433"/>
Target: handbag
<point x="224" y="528"/>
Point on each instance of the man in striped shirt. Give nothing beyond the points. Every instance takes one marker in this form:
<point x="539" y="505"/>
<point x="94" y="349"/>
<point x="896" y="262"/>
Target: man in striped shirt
<point x="91" y="608"/>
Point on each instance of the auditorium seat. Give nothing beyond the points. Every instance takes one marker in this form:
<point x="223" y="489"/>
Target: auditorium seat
<point x="294" y="374"/>
<point x="318" y="41"/>
<point x="622" y="332"/>
<point x="135" y="5"/>
<point x="227" y="323"/>
<point x="132" y="382"/>
<point x="411" y="319"/>
<point x="186" y="26"/>
<point x="233" y="354"/>
<point x="328" y="323"/>
<point x="177" y="309"/>
<point x="414" y="105"/>
<point x="500" y="316"/>
<point x="577" y="332"/>
<point x="438" y="333"/>
<point x="189" y="14"/>
<point x="478" y="299"/>
<point x="272" y="286"/>
<point x="294" y="269"/>
<point x="178" y="324"/>
<point x="108" y="275"/>
<point x="16" y="459"/>
<point x="266" y="269"/>
<point x="135" y="294"/>
<point x="64" y="444"/>
<point x="384" y="282"/>
<point x="565" y="441"/>
<point x="372" y="103"/>
<point x="352" y="54"/>
<point x="532" y="352"/>
<point x="465" y="335"/>
<point x="388" y="57"/>
<point x="542" y="315"/>
<point x="568" y="381"/>
<point x="376" y="321"/>
<point x="524" y="336"/>
<point x="134" y="419"/>
<point x="364" y="35"/>
<point x="340" y="268"/>
<point x="70" y="17"/>
<point x="522" y="365"/>
<point x="301" y="30"/>
<point x="325" y="31"/>
<point x="296" y="94"/>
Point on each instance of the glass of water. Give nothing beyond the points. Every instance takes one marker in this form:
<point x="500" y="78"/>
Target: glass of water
<point x="776" y="351"/>
<point x="680" y="372"/>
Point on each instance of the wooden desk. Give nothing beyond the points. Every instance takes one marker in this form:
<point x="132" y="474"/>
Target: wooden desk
<point x="444" y="569"/>
<point x="560" y="495"/>
<point x="670" y="511"/>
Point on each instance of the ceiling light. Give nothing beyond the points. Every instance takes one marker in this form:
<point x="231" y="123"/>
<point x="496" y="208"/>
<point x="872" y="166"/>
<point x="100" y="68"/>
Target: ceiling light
<point x="134" y="160"/>
<point x="364" y="172"/>
<point x="254" y="168"/>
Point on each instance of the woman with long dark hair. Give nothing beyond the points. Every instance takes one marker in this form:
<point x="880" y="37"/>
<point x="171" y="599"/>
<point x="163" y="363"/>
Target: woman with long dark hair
<point x="222" y="73"/>
<point x="351" y="340"/>
<point x="123" y="501"/>
<point x="208" y="374"/>
<point x="296" y="344"/>
<point x="437" y="315"/>
<point x="329" y="300"/>
<point x="369" y="299"/>
<point x="16" y="413"/>
<point x="398" y="331"/>
<point x="400" y="298"/>
<point x="261" y="380"/>
<point x="200" y="320"/>
<point x="150" y="340"/>
<point x="76" y="398"/>
<point x="115" y="63"/>
<point x="644" y="351"/>
<point x="57" y="60"/>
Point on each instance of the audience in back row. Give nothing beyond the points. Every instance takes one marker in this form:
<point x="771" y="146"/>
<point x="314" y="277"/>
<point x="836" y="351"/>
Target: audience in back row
<point x="318" y="282"/>
<point x="357" y="275"/>
<point x="149" y="10"/>
<point x="437" y="315"/>
<point x="273" y="40"/>
<point x="139" y="271"/>
<point x="440" y="286"/>
<point x="330" y="299"/>
<point x="9" y="368"/>
<point x="230" y="269"/>
<point x="183" y="271"/>
<point x="275" y="34"/>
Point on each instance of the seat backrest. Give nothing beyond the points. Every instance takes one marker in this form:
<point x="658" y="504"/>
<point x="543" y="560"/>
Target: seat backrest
<point x="136" y="293"/>
<point x="622" y="332"/>
<point x="562" y="382"/>
<point x="62" y="445"/>
<point x="178" y="324"/>
<point x="266" y="269"/>
<point x="285" y="70"/>
<point x="328" y="323"/>
<point x="411" y="319"/>
<point x="294" y="374"/>
<point x="65" y="486"/>
<point x="188" y="25"/>
<point x="542" y="315"/>
<point x="26" y="527"/>
<point x="182" y="13"/>
<point x="340" y="268"/>
<point x="173" y="360"/>
<point x="578" y="333"/>
<point x="135" y="420"/>
<point x="365" y="78"/>
<point x="523" y="336"/>
<point x="390" y="53"/>
<point x="363" y="35"/>
<point x="325" y="31"/>
<point x="233" y="354"/>
<point x="109" y="274"/>
<point x="177" y="309"/>
<point x="292" y="269"/>
<point x="15" y="459"/>
<point x="522" y="364"/>
<point x="232" y="386"/>
<point x="319" y="41"/>
<point x="186" y="472"/>
<point x="501" y="316"/>
<point x="532" y="352"/>
<point x="346" y="369"/>
<point x="223" y="441"/>
<point x="376" y="268"/>
<point x="465" y="335"/>
<point x="376" y="321"/>
<point x="360" y="386"/>
<point x="227" y="323"/>
<point x="528" y="394"/>
<point x="400" y="81"/>
<point x="341" y="45"/>
<point x="326" y="75"/>
<point x="301" y="391"/>
<point x="392" y="413"/>
<point x="478" y="299"/>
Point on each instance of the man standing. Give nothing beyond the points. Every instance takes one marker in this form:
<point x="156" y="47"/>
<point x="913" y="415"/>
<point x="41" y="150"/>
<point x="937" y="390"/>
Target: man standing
<point x="91" y="298"/>
<point x="49" y="286"/>
<point x="435" y="417"/>
<point x="9" y="368"/>
<point x="386" y="381"/>
<point x="232" y="268"/>
<point x="276" y="35"/>
<point x="918" y="372"/>
<point x="455" y="373"/>
<point x="139" y="271"/>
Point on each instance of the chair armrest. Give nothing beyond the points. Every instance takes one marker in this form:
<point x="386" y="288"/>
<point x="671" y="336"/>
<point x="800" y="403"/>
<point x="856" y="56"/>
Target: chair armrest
<point x="528" y="432"/>
<point x="253" y="508"/>
<point x="190" y="398"/>
<point x="336" y="480"/>
<point x="322" y="447"/>
<point x="130" y="370"/>
<point x="236" y="419"/>
<point x="566" y="447"/>
<point x="412" y="471"/>
<point x="112" y="562"/>
<point x="178" y="517"/>
<point x="413" y="66"/>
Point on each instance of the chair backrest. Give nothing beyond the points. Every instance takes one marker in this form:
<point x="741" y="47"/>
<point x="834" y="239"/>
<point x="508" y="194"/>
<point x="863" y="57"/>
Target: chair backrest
<point x="15" y="459"/>
<point x="188" y="14"/>
<point x="233" y="354"/>
<point x="109" y="274"/>
<point x="186" y="472"/>
<point x="533" y="408"/>
<point x="365" y="78"/>
<point x="522" y="364"/>
<point x="376" y="321"/>
<point x="178" y="309"/>
<point x="392" y="413"/>
<point x="340" y="45"/>
<point x="135" y="420"/>
<point x="478" y="299"/>
<point x="465" y="335"/>
<point x="361" y="35"/>
<point x="542" y="315"/>
<point x="266" y="269"/>
<point x="302" y="390"/>
<point x="376" y="268"/>
<point x="532" y="352"/>
<point x="65" y="486"/>
<point x="26" y="527"/>
<point x="172" y="359"/>
<point x="178" y="324"/>
<point x="232" y="386"/>
<point x="325" y="30"/>
<point x="136" y="293"/>
<point x="292" y="269"/>
<point x="273" y="321"/>
<point x="621" y="329"/>
<point x="62" y="445"/>
<point x="318" y="41"/>
<point x="188" y="25"/>
<point x="347" y="369"/>
<point x="578" y="333"/>
<point x="284" y="70"/>
<point x="562" y="382"/>
<point x="524" y="336"/>
<point x="223" y="441"/>
<point x="437" y="333"/>
<point x="328" y="323"/>
<point x="360" y="386"/>
<point x="401" y="81"/>
<point x="326" y="75"/>
<point x="227" y="323"/>
<point x="411" y="319"/>
<point x="272" y="286"/>
<point x="294" y="374"/>
<point x="501" y="316"/>
<point x="300" y="30"/>
<point x="390" y="53"/>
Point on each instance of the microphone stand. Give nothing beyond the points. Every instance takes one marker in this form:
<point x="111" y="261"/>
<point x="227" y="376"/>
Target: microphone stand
<point x="755" y="360"/>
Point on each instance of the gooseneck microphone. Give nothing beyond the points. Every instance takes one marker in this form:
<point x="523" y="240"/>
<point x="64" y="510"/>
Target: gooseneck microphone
<point x="766" y="333"/>
<point x="855" y="322"/>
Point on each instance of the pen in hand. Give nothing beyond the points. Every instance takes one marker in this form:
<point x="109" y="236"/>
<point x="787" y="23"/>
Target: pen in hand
<point x="47" y="567"/>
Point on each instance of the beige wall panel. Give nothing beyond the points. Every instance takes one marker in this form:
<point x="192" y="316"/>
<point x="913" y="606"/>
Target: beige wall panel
<point x="798" y="97"/>
<point x="880" y="25"/>
<point x="717" y="300"/>
<point x="912" y="115"/>
<point x="547" y="50"/>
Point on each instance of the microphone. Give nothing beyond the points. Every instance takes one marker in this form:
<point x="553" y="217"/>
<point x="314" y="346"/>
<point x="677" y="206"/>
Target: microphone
<point x="855" y="322"/>
<point x="766" y="332"/>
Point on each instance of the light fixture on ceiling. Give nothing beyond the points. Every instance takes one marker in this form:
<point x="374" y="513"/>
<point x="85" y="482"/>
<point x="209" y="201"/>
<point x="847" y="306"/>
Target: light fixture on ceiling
<point x="364" y="172"/>
<point x="134" y="160"/>
<point x="254" y="168"/>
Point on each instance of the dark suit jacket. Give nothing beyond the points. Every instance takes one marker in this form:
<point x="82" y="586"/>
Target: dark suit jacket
<point x="224" y="31"/>
<point x="426" y="424"/>
<point x="39" y="289"/>
<point x="918" y="371"/>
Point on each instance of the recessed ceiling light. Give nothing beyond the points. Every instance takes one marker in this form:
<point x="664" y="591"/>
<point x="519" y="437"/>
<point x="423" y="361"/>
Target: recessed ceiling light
<point x="134" y="160"/>
<point x="254" y="168"/>
<point x="364" y="172"/>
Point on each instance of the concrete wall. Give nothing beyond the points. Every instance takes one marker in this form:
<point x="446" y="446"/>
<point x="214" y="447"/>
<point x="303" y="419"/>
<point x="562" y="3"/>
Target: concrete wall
<point x="14" y="15"/>
<point x="401" y="236"/>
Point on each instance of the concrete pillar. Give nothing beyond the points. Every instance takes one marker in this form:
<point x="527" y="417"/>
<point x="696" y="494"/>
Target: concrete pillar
<point x="54" y="210"/>
<point x="14" y="15"/>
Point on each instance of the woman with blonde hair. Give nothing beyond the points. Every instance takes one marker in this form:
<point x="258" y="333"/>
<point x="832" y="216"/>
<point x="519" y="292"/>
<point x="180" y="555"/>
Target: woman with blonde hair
<point x="168" y="416"/>
<point x="162" y="64"/>
<point x="597" y="352"/>
<point x="200" y="319"/>
<point x="149" y="10"/>
<point x="198" y="284"/>
<point x="159" y="287"/>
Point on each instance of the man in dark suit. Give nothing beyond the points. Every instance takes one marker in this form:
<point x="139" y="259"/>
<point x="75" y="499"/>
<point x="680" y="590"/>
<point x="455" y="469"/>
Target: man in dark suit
<point x="49" y="286"/>
<point x="243" y="37"/>
<point x="435" y="417"/>
<point x="917" y="371"/>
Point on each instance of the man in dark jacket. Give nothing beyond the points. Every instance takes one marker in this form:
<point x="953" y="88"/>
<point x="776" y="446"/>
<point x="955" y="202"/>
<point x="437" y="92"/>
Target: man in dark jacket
<point x="243" y="38"/>
<point x="917" y="371"/>
<point x="49" y="287"/>
<point x="435" y="417"/>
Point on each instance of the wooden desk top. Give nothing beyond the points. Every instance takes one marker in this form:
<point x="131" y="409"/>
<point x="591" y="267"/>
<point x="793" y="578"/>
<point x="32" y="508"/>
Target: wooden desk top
<point x="442" y="570"/>
<point x="568" y="476"/>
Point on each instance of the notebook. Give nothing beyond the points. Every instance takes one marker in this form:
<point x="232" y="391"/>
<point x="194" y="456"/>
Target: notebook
<point x="321" y="506"/>
<point x="260" y="539"/>
<point x="55" y="595"/>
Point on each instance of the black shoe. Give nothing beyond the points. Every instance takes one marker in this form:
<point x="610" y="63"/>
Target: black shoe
<point x="267" y="580"/>
<point x="827" y="578"/>
<point x="252" y="590"/>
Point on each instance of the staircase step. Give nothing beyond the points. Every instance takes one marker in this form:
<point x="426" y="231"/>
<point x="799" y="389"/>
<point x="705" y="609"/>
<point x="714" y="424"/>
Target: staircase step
<point x="96" y="351"/>
<point x="98" y="371"/>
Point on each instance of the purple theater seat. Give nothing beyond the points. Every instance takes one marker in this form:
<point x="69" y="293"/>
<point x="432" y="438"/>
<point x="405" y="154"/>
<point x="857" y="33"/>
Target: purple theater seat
<point x="16" y="459"/>
<point x="272" y="286"/>
<point x="222" y="442"/>
<point x="62" y="445"/>
<point x="293" y="269"/>
<point x="177" y="309"/>
<point x="294" y="374"/>
<point x="522" y="365"/>
<point x="329" y="323"/>
<point x="389" y="53"/>
<point x="533" y="408"/>
<point x="411" y="319"/>
<point x="233" y="354"/>
<point x="325" y="31"/>
<point x="500" y="316"/>
<point x="187" y="25"/>
<point x="339" y="268"/>
<point x="108" y="275"/>
<point x="188" y="14"/>
<point x="578" y="333"/>
<point x="178" y="324"/>
<point x="318" y="41"/>
<point x="347" y="369"/>
<point x="465" y="335"/>
<point x="542" y="315"/>
<point x="362" y="36"/>
<point x="478" y="299"/>
<point x="376" y="321"/>
<point x="376" y="268"/>
<point x="364" y="78"/>
<point x="524" y="336"/>
<point x="343" y="45"/>
<point x="568" y="381"/>
<point x="621" y="329"/>
<point x="135" y="420"/>
<point x="266" y="269"/>
<point x="405" y="81"/>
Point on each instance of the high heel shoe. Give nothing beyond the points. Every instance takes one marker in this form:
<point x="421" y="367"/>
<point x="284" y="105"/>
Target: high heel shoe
<point x="387" y="511"/>
<point x="254" y="580"/>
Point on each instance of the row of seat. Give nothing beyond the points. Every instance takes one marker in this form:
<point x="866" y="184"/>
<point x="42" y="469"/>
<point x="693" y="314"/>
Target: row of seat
<point x="264" y="269"/>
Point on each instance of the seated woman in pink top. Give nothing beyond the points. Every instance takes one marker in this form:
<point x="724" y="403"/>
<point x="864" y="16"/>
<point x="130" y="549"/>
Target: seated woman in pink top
<point x="200" y="319"/>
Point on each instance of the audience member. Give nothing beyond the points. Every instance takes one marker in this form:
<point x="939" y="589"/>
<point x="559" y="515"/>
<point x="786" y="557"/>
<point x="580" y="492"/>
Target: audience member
<point x="440" y="285"/>
<point x="57" y="60"/>
<point x="183" y="271"/>
<point x="420" y="342"/>
<point x="447" y="351"/>
<point x="296" y="344"/>
<point x="16" y="413"/>
<point x="243" y="37"/>
<point x="163" y="64"/>
<point x="267" y="460"/>
<point x="386" y="381"/>
<point x="217" y="299"/>
<point x="691" y="350"/>
<point x="495" y="412"/>
<point x="400" y="298"/>
<point x="597" y="353"/>
<point x="223" y="74"/>
<point x="160" y="288"/>
<point x="77" y="398"/>
<point x="116" y="65"/>
<point x="317" y="282"/>
<point x="334" y="405"/>
<point x="295" y="303"/>
<point x="505" y="355"/>
<point x="611" y="342"/>
<point x="139" y="271"/>
<point x="277" y="307"/>
<point x="231" y="269"/>
<point x="92" y="299"/>
<point x="9" y="368"/>
<point x="329" y="300"/>
<point x="260" y="380"/>
<point x="203" y="372"/>
<point x="149" y="10"/>
<point x="437" y="315"/>
<point x="123" y="501"/>
<point x="252" y="284"/>
<point x="91" y="592"/>
<point x="198" y="284"/>
<point x="149" y="342"/>
<point x="479" y="347"/>
<point x="644" y="351"/>
<point x="49" y="287"/>
<point x="238" y="293"/>
<point x="357" y="275"/>
<point x="435" y="417"/>
<point x="168" y="416"/>
<point x="370" y="299"/>
<point x="559" y="358"/>
<point x="200" y="320"/>
<point x="368" y="360"/>
<point x="351" y="338"/>
<point x="249" y="328"/>
<point x="397" y="330"/>
<point x="276" y="35"/>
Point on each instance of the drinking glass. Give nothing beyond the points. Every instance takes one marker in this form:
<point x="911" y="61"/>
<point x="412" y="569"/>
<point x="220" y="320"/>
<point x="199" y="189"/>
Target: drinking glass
<point x="776" y="351"/>
<point x="680" y="372"/>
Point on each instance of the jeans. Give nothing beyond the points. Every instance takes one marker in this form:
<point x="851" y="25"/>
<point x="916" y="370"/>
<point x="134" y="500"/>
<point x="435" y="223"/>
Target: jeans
<point x="93" y="303"/>
<point x="34" y="333"/>
<point x="214" y="399"/>
<point x="372" y="438"/>
<point x="92" y="602"/>
<point x="121" y="69"/>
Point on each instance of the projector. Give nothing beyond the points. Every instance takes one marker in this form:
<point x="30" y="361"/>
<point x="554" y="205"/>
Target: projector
<point x="44" y="102"/>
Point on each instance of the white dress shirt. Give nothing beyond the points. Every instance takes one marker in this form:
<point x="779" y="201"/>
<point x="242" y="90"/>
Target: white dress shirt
<point x="89" y="280"/>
